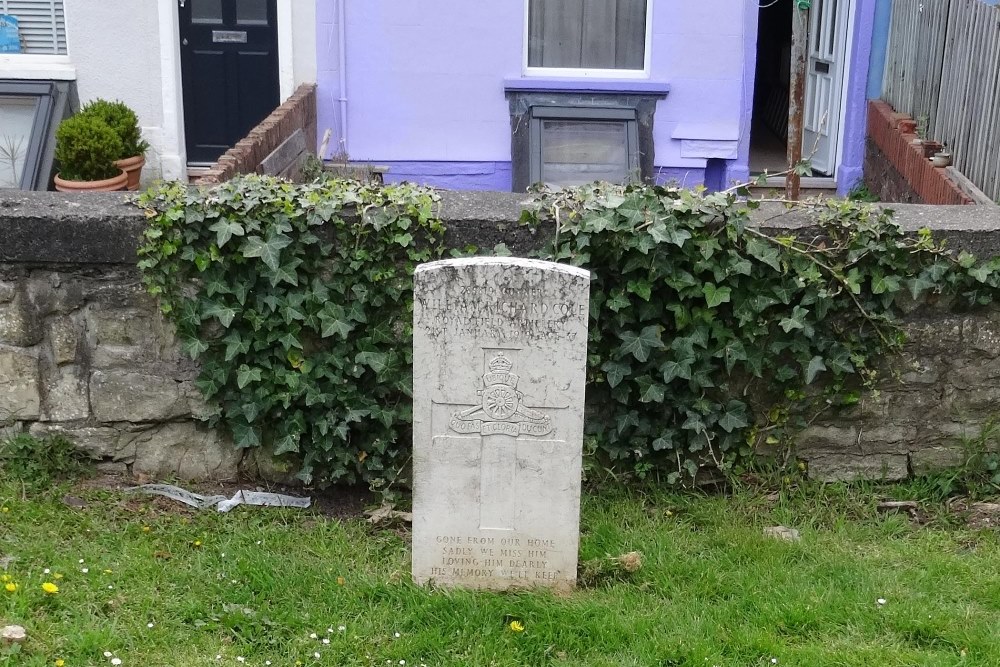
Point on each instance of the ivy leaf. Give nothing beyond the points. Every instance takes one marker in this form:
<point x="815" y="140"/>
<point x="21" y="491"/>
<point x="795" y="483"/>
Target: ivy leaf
<point x="377" y="361"/>
<point x="245" y="375"/>
<point x="226" y="229"/>
<point x="246" y="436"/>
<point x="795" y="321"/>
<point x="269" y="251"/>
<point x="615" y="372"/>
<point x="918" y="285"/>
<point x="716" y="296"/>
<point x="662" y="233"/>
<point x="815" y="366"/>
<point x="650" y="391"/>
<point x="618" y="301"/>
<point x="733" y="418"/>
<point x="764" y="251"/>
<point x="224" y="314"/>
<point x="639" y="345"/>
<point x="674" y="369"/>
<point x="250" y="411"/>
<point x="884" y="284"/>
<point x="642" y="288"/>
<point x="693" y="423"/>
<point x="333" y="320"/>
<point x="287" y="444"/>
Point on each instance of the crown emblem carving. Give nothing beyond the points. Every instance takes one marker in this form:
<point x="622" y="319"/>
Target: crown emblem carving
<point x="501" y="411"/>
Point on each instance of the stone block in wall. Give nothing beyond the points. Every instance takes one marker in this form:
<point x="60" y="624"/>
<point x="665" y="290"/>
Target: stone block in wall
<point x="847" y="453"/>
<point x="120" y="396"/>
<point x="19" y="392"/>
<point x="99" y="442"/>
<point x="185" y="450"/>
<point x="66" y="395"/>
<point x="64" y="335"/>
<point x="982" y="334"/>
<point x="162" y="451"/>
<point x="19" y="322"/>
<point x="8" y="289"/>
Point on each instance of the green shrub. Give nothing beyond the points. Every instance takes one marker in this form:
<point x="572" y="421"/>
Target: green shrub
<point x="86" y="149"/>
<point x="120" y="118"/>
<point x="37" y="462"/>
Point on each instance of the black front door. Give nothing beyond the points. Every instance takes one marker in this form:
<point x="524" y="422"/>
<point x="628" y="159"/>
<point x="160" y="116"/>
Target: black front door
<point x="229" y="66"/>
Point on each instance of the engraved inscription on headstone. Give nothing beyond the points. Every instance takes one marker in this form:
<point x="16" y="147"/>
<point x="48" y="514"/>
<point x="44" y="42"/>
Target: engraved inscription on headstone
<point x="499" y="373"/>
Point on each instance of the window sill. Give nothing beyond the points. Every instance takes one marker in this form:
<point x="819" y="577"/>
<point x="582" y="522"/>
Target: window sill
<point x="573" y="85"/>
<point x="22" y="66"/>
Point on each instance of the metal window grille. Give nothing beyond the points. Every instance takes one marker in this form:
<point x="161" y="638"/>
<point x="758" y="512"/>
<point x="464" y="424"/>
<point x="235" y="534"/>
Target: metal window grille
<point x="41" y="24"/>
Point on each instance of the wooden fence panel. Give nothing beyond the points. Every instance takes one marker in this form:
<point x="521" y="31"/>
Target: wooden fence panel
<point x="943" y="68"/>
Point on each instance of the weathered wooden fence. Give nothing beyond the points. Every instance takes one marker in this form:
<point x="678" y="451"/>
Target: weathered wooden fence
<point x="943" y="68"/>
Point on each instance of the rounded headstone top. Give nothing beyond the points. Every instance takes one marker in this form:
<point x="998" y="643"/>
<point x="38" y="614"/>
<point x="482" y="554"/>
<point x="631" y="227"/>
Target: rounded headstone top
<point x="504" y="262"/>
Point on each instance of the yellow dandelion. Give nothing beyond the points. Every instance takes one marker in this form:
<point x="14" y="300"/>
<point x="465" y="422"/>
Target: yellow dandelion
<point x="146" y="529"/>
<point x="5" y="577"/>
<point x="108" y="572"/>
<point x="60" y="663"/>
<point x="10" y="586"/>
<point x="4" y="509"/>
<point x="517" y="626"/>
<point x="341" y="581"/>
<point x="196" y="543"/>
<point x="57" y="576"/>
<point x="50" y="588"/>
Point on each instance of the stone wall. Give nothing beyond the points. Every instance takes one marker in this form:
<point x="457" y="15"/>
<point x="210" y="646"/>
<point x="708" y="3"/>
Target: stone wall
<point x="298" y="112"/>
<point x="84" y="352"/>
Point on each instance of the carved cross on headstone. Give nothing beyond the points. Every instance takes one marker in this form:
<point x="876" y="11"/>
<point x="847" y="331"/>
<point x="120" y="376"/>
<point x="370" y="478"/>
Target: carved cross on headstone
<point x="500" y="418"/>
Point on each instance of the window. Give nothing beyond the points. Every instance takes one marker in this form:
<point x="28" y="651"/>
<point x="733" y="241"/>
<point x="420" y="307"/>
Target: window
<point x="41" y="25"/>
<point x="575" y="146"/>
<point x="603" y="37"/>
<point x="565" y="138"/>
<point x="29" y="114"/>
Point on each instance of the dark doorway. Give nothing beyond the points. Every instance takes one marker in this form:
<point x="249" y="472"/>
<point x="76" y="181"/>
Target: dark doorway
<point x="229" y="66"/>
<point x="769" y="129"/>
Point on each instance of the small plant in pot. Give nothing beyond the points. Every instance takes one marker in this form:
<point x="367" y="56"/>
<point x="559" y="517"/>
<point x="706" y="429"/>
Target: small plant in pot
<point x="120" y="118"/>
<point x="86" y="150"/>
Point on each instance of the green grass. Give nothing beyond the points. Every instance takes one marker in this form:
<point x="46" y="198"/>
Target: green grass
<point x="713" y="590"/>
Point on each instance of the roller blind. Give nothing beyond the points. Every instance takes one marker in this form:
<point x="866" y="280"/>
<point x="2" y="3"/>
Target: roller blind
<point x="41" y="23"/>
<point x="587" y="34"/>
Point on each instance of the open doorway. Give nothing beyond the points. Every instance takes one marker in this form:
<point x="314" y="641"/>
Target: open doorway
<point x="769" y="127"/>
<point x="826" y="65"/>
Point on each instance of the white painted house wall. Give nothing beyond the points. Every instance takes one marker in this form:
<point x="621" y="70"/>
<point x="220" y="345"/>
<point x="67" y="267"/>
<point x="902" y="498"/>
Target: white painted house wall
<point x="130" y="50"/>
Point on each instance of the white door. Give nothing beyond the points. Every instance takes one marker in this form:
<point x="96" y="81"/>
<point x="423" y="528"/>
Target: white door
<point x="825" y="82"/>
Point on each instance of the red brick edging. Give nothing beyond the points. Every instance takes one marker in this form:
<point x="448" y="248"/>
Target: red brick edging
<point x="896" y="170"/>
<point x="297" y="112"/>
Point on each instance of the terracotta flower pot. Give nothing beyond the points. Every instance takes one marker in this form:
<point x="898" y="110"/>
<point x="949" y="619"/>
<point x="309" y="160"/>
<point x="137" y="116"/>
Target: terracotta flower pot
<point x="133" y="167"/>
<point x="107" y="185"/>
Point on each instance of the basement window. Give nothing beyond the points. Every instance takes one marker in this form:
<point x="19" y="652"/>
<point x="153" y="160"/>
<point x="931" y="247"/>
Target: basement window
<point x="575" y="146"/>
<point x="30" y="111"/>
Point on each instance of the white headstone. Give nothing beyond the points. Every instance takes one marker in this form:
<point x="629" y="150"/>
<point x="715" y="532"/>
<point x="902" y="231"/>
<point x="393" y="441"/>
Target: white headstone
<point x="499" y="359"/>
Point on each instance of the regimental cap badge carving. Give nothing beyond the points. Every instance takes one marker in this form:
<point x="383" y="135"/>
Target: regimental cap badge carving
<point x="500" y="411"/>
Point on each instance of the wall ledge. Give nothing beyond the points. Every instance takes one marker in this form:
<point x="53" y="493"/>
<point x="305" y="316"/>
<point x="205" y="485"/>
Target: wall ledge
<point x="106" y="228"/>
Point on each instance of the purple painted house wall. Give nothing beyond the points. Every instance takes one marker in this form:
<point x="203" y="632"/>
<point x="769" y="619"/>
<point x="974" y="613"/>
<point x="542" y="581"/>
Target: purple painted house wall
<point x="425" y="87"/>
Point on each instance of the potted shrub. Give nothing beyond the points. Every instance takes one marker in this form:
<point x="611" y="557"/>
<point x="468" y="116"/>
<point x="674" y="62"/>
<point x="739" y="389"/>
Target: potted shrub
<point x="120" y="118"/>
<point x="86" y="150"/>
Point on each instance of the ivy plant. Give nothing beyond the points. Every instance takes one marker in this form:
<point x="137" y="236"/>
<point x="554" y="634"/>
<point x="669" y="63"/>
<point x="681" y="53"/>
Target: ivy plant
<point x="710" y="338"/>
<point x="297" y="301"/>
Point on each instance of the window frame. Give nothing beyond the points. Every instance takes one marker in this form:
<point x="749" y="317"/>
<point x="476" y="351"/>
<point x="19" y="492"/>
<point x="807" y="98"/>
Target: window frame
<point x="584" y="72"/>
<point x="51" y="107"/>
<point x="540" y="114"/>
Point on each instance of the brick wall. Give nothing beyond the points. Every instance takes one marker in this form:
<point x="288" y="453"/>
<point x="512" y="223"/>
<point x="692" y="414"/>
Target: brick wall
<point x="297" y="112"/>
<point x="896" y="170"/>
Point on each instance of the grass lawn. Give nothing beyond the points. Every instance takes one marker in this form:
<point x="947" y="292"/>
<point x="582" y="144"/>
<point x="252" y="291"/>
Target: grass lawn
<point x="156" y="585"/>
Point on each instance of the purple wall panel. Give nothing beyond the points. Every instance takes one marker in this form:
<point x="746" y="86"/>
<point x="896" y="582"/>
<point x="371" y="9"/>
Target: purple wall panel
<point x="425" y="84"/>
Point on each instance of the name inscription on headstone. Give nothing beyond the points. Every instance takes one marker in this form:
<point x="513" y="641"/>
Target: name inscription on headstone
<point x="499" y="372"/>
